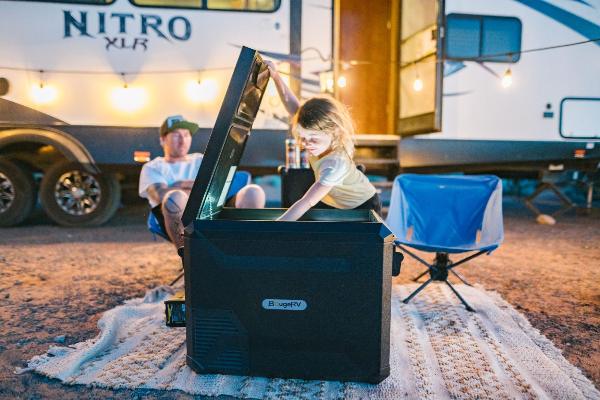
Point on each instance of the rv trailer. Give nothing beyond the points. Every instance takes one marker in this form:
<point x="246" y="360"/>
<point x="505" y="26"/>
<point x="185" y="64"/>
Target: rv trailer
<point x="472" y="86"/>
<point x="513" y="99"/>
<point x="84" y="85"/>
<point x="501" y="86"/>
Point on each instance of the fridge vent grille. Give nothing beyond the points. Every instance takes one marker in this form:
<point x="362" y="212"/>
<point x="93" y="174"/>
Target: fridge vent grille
<point x="212" y="333"/>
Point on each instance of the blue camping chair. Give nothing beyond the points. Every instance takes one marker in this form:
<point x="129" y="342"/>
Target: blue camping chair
<point x="446" y="214"/>
<point x="240" y="179"/>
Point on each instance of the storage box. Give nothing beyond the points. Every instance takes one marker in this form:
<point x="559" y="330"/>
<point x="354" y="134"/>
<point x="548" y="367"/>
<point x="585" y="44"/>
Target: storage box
<point x="307" y="299"/>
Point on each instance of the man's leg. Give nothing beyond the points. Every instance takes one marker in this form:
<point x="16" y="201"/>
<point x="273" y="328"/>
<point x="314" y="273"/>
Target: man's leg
<point x="173" y="206"/>
<point x="250" y="196"/>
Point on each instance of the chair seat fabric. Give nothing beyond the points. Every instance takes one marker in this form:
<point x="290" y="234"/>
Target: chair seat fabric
<point x="447" y="213"/>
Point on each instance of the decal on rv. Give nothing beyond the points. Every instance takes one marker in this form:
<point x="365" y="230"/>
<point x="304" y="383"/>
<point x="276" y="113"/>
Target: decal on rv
<point x="115" y="27"/>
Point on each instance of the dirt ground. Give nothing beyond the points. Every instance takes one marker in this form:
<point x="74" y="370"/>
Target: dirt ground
<point x="55" y="283"/>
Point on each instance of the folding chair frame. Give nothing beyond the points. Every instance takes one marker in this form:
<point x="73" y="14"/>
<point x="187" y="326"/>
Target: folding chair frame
<point x="438" y="271"/>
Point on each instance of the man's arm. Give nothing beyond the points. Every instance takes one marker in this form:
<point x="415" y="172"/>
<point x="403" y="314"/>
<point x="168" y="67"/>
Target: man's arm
<point x="184" y="185"/>
<point x="157" y="191"/>
<point x="288" y="98"/>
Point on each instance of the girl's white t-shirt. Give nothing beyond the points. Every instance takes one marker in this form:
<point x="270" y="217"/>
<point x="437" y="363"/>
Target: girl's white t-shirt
<point x="350" y="187"/>
<point x="161" y="171"/>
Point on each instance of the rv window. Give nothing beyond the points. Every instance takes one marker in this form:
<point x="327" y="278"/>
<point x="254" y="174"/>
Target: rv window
<point x="169" y="3"/>
<point x="249" y="5"/>
<point x="225" y="5"/>
<point x="580" y="118"/>
<point x="483" y="38"/>
<point x="94" y="2"/>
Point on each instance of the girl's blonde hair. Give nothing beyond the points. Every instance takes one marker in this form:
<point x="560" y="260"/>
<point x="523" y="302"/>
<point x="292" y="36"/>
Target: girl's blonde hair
<point x="324" y="113"/>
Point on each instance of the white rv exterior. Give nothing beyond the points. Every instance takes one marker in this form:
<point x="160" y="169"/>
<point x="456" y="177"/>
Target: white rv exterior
<point x="551" y="109"/>
<point x="89" y="84"/>
<point x="477" y="106"/>
<point x="88" y="53"/>
<point x="84" y="85"/>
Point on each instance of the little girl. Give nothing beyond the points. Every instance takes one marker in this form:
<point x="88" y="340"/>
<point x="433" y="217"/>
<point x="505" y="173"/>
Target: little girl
<point x="323" y="126"/>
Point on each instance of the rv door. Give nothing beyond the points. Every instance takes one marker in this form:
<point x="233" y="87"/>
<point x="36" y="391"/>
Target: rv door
<point x="420" y="66"/>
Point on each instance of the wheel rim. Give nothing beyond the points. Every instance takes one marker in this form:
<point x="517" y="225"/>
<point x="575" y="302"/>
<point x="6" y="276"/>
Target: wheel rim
<point x="77" y="193"/>
<point x="7" y="193"/>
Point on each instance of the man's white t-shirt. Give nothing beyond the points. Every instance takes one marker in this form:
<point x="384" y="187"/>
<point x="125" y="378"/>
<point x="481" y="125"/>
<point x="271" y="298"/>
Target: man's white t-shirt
<point x="161" y="171"/>
<point x="350" y="187"/>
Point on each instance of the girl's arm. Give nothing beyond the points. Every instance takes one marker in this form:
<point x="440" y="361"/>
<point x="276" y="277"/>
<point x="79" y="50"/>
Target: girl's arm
<point x="316" y="192"/>
<point x="288" y="98"/>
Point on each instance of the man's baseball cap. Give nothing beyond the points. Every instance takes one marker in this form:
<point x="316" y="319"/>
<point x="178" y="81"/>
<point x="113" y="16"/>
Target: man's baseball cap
<point x="177" y="122"/>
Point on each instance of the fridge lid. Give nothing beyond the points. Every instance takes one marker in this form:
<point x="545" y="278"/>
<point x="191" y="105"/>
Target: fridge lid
<point x="228" y="137"/>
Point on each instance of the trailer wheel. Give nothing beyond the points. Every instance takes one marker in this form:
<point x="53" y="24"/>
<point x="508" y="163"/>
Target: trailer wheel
<point x="72" y="196"/>
<point x="17" y="193"/>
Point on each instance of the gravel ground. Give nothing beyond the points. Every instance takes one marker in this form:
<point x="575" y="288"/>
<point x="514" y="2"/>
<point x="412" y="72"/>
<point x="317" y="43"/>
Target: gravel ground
<point x="55" y="283"/>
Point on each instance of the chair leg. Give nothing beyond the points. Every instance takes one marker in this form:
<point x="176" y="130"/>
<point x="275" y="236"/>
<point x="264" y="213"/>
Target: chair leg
<point x="467" y="306"/>
<point x="460" y="277"/>
<point x="421" y="275"/>
<point x="413" y="294"/>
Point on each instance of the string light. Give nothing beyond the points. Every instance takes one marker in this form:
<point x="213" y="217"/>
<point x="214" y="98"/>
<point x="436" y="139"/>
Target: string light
<point x="507" y="79"/>
<point x="329" y="84"/>
<point x="131" y="99"/>
<point x="42" y="93"/>
<point x="343" y="63"/>
<point x="128" y="99"/>
<point x="418" y="82"/>
<point x="326" y="81"/>
<point x="202" y="91"/>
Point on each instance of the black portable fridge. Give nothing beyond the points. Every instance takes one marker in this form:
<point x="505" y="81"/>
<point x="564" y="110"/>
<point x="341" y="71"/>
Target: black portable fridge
<point x="307" y="299"/>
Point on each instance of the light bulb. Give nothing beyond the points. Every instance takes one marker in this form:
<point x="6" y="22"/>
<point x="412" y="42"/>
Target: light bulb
<point x="342" y="81"/>
<point x="329" y="84"/>
<point x="128" y="99"/>
<point x="43" y="94"/>
<point x="418" y="85"/>
<point x="507" y="78"/>
<point x="202" y="91"/>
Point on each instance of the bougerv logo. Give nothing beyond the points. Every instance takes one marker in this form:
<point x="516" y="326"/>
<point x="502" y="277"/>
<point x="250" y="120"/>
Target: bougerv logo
<point x="284" y="304"/>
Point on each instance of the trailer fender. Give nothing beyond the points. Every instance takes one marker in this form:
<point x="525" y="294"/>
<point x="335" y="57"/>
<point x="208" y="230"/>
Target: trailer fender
<point x="70" y="147"/>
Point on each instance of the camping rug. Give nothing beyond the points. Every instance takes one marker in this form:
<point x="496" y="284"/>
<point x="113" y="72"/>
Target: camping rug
<point x="438" y="350"/>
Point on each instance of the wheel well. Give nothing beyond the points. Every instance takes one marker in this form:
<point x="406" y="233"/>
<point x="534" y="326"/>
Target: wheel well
<point x="37" y="156"/>
<point x="41" y="148"/>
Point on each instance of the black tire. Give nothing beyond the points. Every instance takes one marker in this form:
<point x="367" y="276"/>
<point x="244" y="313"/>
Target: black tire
<point x="17" y="192"/>
<point x="72" y="196"/>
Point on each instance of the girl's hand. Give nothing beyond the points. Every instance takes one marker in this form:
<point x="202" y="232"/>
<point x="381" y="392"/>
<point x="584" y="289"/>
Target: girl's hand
<point x="314" y="194"/>
<point x="272" y="67"/>
<point x="288" y="98"/>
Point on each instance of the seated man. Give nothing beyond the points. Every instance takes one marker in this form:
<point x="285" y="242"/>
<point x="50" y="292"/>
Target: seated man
<point x="167" y="181"/>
